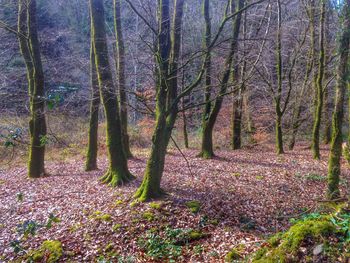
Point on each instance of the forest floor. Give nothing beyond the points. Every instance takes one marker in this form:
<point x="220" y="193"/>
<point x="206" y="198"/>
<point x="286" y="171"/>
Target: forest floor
<point x="244" y="196"/>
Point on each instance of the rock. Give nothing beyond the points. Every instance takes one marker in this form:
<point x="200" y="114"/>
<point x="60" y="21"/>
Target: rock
<point x="318" y="250"/>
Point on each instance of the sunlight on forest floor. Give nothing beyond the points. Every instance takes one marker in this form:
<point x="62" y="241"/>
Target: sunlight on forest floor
<point x="243" y="197"/>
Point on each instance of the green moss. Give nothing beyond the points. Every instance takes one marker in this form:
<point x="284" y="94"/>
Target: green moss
<point x="99" y="216"/>
<point x="134" y="203"/>
<point x="195" y="235"/>
<point x="284" y="247"/>
<point x="155" y="205"/>
<point x="118" y="202"/>
<point x="259" y="177"/>
<point x="346" y="153"/>
<point x="149" y="216"/>
<point x="233" y="255"/>
<point x="214" y="222"/>
<point x="50" y="250"/>
<point x="109" y="247"/>
<point x="236" y="174"/>
<point x="116" y="227"/>
<point x="194" y="206"/>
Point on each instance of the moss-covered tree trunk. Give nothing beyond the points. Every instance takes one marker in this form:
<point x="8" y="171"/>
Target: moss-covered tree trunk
<point x="319" y="88"/>
<point x="118" y="172"/>
<point x="210" y="120"/>
<point x="238" y="96"/>
<point x="30" y="49"/>
<point x="334" y="167"/>
<point x="207" y="144"/>
<point x="121" y="77"/>
<point x="91" y="156"/>
<point x="278" y="108"/>
<point x="167" y="55"/>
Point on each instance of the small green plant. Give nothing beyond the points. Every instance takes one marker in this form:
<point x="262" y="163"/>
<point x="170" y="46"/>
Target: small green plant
<point x="168" y="246"/>
<point x="194" y="206"/>
<point x="315" y="177"/>
<point x="20" y="197"/>
<point x="259" y="177"/>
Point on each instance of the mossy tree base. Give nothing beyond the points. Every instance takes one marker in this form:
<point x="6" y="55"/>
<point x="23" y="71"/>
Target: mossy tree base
<point x="206" y="155"/>
<point x="91" y="167"/>
<point x="116" y="178"/>
<point x="147" y="192"/>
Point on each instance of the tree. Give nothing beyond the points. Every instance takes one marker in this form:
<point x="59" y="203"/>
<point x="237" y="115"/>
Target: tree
<point x="238" y="96"/>
<point x="121" y="76"/>
<point x="297" y="110"/>
<point x="168" y="49"/>
<point x="30" y="49"/>
<point x="334" y="167"/>
<point x="91" y="157"/>
<point x="118" y="172"/>
<point x="319" y="86"/>
<point x="210" y="119"/>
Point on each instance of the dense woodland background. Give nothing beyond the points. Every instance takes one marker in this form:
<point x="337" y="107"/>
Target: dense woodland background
<point x="174" y="130"/>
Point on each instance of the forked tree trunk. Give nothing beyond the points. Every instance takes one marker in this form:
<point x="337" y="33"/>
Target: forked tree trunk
<point x="91" y="156"/>
<point x="334" y="167"/>
<point x="120" y="59"/>
<point x="118" y="172"/>
<point x="210" y="120"/>
<point x="30" y="48"/>
<point x="166" y="112"/>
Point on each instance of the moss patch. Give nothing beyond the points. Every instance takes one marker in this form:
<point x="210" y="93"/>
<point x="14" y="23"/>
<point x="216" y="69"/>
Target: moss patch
<point x="284" y="247"/>
<point x="50" y="250"/>
<point x="99" y="216"/>
<point x="194" y="206"/>
<point x="233" y="255"/>
<point x="155" y="205"/>
<point x="149" y="216"/>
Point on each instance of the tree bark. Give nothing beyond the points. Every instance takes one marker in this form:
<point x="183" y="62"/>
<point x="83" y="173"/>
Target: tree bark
<point x="334" y="167"/>
<point x="120" y="59"/>
<point x="319" y="88"/>
<point x="118" y="172"/>
<point x="30" y="48"/>
<point x="167" y="83"/>
<point x="278" y="110"/>
<point x="91" y="156"/>
<point x="208" y="127"/>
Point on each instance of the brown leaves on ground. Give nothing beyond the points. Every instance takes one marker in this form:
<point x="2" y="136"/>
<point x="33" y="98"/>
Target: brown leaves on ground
<point x="244" y="195"/>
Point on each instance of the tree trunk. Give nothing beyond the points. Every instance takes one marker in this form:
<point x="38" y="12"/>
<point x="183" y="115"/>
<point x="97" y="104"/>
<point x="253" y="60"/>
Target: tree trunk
<point x="210" y="120"/>
<point x="30" y="49"/>
<point x="118" y="172"/>
<point x="319" y="88"/>
<point x="91" y="157"/>
<point x="296" y="122"/>
<point x="279" y="113"/>
<point x="121" y="77"/>
<point x="237" y="96"/>
<point x="166" y="112"/>
<point x="334" y="167"/>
